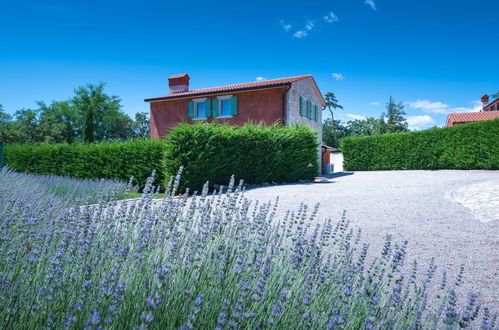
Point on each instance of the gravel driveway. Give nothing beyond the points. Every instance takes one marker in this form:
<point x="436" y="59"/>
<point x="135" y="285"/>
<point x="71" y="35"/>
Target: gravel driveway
<point x="450" y="215"/>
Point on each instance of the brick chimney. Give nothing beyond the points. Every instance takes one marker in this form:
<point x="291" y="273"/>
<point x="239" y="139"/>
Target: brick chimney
<point x="178" y="83"/>
<point x="485" y="101"/>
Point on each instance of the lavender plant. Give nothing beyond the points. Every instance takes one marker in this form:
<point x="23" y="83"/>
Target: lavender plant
<point x="213" y="261"/>
<point x="79" y="191"/>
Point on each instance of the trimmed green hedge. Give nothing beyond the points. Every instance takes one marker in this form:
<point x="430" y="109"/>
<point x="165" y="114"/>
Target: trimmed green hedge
<point x="254" y="153"/>
<point x="470" y="146"/>
<point x="117" y="160"/>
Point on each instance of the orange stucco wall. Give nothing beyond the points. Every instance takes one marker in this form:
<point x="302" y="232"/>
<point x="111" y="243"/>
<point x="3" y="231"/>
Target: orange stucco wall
<point x="257" y="106"/>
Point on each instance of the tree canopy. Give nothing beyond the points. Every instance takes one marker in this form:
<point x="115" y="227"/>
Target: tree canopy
<point x="390" y="122"/>
<point x="395" y="120"/>
<point x="89" y="115"/>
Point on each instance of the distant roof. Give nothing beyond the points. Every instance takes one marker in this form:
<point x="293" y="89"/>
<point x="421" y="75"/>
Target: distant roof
<point x="492" y="103"/>
<point x="232" y="88"/>
<point x="325" y="146"/>
<point x="465" y="117"/>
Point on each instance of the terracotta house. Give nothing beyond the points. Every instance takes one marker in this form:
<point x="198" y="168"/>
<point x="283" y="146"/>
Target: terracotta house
<point x="489" y="111"/>
<point x="285" y="101"/>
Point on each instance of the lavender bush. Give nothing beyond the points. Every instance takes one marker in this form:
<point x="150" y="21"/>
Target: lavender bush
<point x="206" y="261"/>
<point x="76" y="191"/>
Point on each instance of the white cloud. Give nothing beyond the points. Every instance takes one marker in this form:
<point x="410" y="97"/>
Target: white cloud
<point x="354" y="116"/>
<point x="303" y="33"/>
<point x="309" y="26"/>
<point x="371" y="3"/>
<point x="300" y="34"/>
<point x="260" y="78"/>
<point x="419" y="122"/>
<point x="286" y="27"/>
<point x="374" y="103"/>
<point x="337" y="76"/>
<point x="331" y="17"/>
<point x="443" y="108"/>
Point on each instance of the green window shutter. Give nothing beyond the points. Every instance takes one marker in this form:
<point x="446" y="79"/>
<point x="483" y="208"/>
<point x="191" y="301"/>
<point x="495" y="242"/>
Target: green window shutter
<point x="207" y="108"/>
<point x="309" y="110"/>
<point x="190" y="111"/>
<point x="233" y="105"/>
<point x="214" y="107"/>
<point x="316" y="113"/>
<point x="301" y="107"/>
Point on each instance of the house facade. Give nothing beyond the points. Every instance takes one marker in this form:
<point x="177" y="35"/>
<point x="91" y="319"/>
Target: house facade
<point x="490" y="111"/>
<point x="285" y="101"/>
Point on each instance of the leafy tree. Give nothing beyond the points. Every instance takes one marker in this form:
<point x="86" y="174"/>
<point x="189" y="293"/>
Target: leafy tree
<point x="103" y="117"/>
<point x="121" y="128"/>
<point x="5" y="124"/>
<point x="26" y="128"/>
<point x="59" y="122"/>
<point x="4" y="117"/>
<point x="333" y="131"/>
<point x="141" y="125"/>
<point x="330" y="130"/>
<point x="496" y="95"/>
<point x="366" y="127"/>
<point x="395" y="120"/>
<point x="90" y="115"/>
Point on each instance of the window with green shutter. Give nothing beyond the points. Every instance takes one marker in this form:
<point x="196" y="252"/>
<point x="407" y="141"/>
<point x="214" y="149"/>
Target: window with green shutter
<point x="199" y="109"/>
<point x="302" y="108"/>
<point x="233" y="105"/>
<point x="224" y="107"/>
<point x="316" y="113"/>
<point x="207" y="108"/>
<point x="309" y="110"/>
<point x="214" y="107"/>
<point x="190" y="110"/>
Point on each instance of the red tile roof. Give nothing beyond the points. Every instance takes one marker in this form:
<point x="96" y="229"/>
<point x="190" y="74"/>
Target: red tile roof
<point x="230" y="88"/>
<point x="492" y="104"/>
<point x="465" y="117"/>
<point x="178" y="75"/>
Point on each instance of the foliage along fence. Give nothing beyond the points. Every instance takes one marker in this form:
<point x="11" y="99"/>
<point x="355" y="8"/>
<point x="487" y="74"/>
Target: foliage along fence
<point x="254" y="153"/>
<point x="470" y="146"/>
<point x="116" y="160"/>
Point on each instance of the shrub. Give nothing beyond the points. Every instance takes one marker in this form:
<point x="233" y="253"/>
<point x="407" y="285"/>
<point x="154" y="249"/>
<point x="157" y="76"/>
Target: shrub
<point x="111" y="160"/>
<point x="470" y="146"/>
<point x="254" y="153"/>
<point x="207" y="262"/>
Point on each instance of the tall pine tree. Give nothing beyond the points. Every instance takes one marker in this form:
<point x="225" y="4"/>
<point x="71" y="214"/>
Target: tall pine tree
<point x="395" y="120"/>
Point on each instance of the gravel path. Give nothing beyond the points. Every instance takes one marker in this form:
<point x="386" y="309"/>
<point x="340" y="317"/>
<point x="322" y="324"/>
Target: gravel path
<point x="450" y="215"/>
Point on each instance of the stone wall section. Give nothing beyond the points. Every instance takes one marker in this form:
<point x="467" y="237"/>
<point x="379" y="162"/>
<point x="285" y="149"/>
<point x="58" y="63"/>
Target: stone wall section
<point x="306" y="89"/>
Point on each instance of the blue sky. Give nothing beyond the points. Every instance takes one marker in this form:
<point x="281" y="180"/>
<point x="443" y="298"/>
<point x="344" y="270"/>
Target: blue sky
<point x="438" y="56"/>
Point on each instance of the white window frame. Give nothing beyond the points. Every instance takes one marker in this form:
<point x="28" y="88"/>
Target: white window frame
<point x="196" y="115"/>
<point x="220" y="99"/>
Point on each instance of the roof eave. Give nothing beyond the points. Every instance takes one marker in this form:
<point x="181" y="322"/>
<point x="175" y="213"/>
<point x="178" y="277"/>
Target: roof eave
<point x="164" y="98"/>
<point x="318" y="91"/>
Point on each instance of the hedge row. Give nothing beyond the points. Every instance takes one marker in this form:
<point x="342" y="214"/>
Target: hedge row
<point x="117" y="160"/>
<point x="254" y="153"/>
<point x="470" y="146"/>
